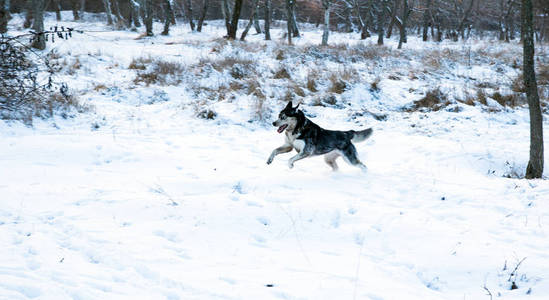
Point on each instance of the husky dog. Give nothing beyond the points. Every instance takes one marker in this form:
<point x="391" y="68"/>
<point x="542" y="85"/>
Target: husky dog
<point x="309" y="139"/>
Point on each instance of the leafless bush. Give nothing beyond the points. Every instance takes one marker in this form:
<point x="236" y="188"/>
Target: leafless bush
<point x="140" y="63"/>
<point x="511" y="100"/>
<point x="23" y="93"/>
<point x="433" y="100"/>
<point x="156" y="71"/>
<point x="282" y="73"/>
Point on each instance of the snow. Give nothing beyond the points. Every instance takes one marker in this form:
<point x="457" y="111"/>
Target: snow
<point x="140" y="199"/>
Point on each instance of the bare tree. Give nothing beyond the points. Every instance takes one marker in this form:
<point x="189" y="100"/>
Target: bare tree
<point x="203" y="15"/>
<point x="168" y="13"/>
<point x="392" y="17"/>
<point x="535" y="164"/>
<point x="267" y="20"/>
<point x="108" y="12"/>
<point x="381" y="9"/>
<point x="226" y="10"/>
<point x="4" y="16"/>
<point x="295" y="30"/>
<point x="505" y="20"/>
<point x="189" y="7"/>
<point x="256" y="18"/>
<point x="289" y="20"/>
<point x="401" y="22"/>
<point x="250" y="23"/>
<point x="29" y="14"/>
<point x="133" y="14"/>
<point x="326" y="30"/>
<point x="427" y="16"/>
<point x="116" y="12"/>
<point x="57" y="7"/>
<point x="39" y="40"/>
<point x="463" y="15"/>
<point x="234" y="19"/>
<point x="148" y="17"/>
<point x="75" y="7"/>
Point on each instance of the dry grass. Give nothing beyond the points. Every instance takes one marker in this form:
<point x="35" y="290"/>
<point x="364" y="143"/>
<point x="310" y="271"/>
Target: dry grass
<point x="342" y="79"/>
<point x="156" y="71"/>
<point x="511" y="100"/>
<point x="140" y="63"/>
<point x="434" y="100"/>
<point x="282" y="73"/>
<point x="374" y="85"/>
<point x="481" y="97"/>
<point x="99" y="87"/>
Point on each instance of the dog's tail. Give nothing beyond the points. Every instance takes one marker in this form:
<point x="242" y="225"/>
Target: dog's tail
<point x="359" y="136"/>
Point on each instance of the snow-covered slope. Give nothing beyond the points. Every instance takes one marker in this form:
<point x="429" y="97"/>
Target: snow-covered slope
<point x="140" y="199"/>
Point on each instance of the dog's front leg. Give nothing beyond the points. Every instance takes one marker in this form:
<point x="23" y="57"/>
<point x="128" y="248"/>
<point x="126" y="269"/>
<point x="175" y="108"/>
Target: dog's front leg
<point x="300" y="155"/>
<point x="282" y="149"/>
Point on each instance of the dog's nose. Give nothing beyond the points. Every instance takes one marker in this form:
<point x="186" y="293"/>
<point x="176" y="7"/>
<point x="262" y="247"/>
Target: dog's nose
<point x="274" y="123"/>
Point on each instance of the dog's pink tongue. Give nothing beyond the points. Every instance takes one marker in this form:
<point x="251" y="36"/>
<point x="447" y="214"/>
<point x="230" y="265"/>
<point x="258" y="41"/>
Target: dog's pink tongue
<point x="281" y="128"/>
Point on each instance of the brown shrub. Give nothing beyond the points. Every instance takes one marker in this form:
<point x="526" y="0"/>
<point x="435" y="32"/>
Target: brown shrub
<point x="433" y="100"/>
<point x="282" y="73"/>
<point x="337" y="85"/>
<point x="157" y="71"/>
<point x="140" y="63"/>
<point x="511" y="100"/>
<point x="481" y="97"/>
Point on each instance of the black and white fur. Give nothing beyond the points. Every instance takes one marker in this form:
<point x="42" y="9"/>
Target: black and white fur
<point x="309" y="139"/>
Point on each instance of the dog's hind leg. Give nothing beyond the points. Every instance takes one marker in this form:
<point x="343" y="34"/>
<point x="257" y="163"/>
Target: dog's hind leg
<point x="350" y="156"/>
<point x="330" y="159"/>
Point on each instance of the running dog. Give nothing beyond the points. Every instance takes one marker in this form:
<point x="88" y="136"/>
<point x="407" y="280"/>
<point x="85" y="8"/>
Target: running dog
<point x="309" y="139"/>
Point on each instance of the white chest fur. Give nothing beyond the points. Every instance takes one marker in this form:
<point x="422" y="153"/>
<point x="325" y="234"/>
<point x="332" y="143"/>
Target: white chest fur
<point x="291" y="139"/>
<point x="298" y="145"/>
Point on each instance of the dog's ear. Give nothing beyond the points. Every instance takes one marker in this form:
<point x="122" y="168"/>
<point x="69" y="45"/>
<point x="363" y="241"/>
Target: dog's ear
<point x="295" y="108"/>
<point x="289" y="106"/>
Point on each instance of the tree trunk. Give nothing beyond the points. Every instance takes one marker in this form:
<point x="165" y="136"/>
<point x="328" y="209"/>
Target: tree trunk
<point x="535" y="164"/>
<point x="4" y="16"/>
<point x="267" y="20"/>
<point x="134" y="14"/>
<point x="203" y="15"/>
<point x="75" y="8"/>
<point x="256" y="19"/>
<point x="380" y="22"/>
<point x="29" y="16"/>
<point x="326" y="31"/>
<point x="226" y="10"/>
<point x="116" y="12"/>
<point x="148" y="19"/>
<point x="39" y="40"/>
<point x="57" y="7"/>
<point x="235" y="18"/>
<point x="295" y="30"/>
<point x="107" y="5"/>
<point x="392" y="18"/>
<point x="289" y="19"/>
<point x="402" y="24"/>
<point x="250" y="23"/>
<point x="463" y="20"/>
<point x="426" y="18"/>
<point x="167" y="17"/>
<point x="189" y="6"/>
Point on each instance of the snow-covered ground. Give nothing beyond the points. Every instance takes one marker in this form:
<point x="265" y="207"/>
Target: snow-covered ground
<point x="140" y="199"/>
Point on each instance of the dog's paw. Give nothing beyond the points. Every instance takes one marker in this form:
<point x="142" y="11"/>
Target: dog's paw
<point x="290" y="165"/>
<point x="270" y="160"/>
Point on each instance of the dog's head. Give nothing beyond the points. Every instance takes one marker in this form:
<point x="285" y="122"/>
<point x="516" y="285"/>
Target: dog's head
<point x="287" y="118"/>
